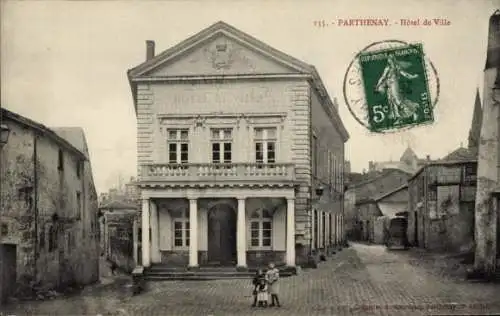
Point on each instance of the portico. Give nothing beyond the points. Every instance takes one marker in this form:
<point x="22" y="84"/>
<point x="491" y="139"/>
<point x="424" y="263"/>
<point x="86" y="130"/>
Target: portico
<point x="224" y="226"/>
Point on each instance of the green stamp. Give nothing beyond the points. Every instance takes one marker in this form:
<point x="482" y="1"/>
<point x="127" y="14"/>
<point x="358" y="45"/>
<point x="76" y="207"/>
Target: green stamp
<point x="396" y="88"/>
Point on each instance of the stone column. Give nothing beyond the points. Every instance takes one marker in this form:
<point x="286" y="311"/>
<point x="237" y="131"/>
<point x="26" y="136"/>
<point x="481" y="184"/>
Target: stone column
<point x="145" y="233"/>
<point x="313" y="227"/>
<point x="241" y="234"/>
<point x="290" y="232"/>
<point x="135" y="241"/>
<point x="193" y="232"/>
<point x="155" y="245"/>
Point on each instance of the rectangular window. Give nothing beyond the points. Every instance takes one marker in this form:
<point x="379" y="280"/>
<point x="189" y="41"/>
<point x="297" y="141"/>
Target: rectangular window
<point x="330" y="168"/>
<point x="178" y="146"/>
<point x="265" y="145"/>
<point x="222" y="140"/>
<point x="470" y="174"/>
<point x="314" y="157"/>
<point x="78" y="204"/>
<point x="79" y="169"/>
<point x="254" y="233"/>
<point x="181" y="231"/>
<point x="60" y="160"/>
<point x="261" y="229"/>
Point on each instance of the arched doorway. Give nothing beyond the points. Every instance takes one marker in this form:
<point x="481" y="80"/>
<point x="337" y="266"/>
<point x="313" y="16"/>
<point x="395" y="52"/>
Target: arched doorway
<point x="222" y="235"/>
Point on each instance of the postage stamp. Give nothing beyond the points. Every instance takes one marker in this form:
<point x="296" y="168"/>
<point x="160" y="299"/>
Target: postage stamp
<point x="391" y="87"/>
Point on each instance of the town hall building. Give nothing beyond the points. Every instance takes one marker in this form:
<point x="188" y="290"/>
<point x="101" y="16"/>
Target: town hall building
<point x="240" y="154"/>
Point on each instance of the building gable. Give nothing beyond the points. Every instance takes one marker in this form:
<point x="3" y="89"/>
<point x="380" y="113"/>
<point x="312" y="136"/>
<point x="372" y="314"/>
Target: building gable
<point x="220" y="54"/>
<point x="220" y="50"/>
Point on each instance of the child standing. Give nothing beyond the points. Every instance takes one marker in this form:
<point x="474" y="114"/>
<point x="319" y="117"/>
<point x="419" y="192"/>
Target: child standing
<point x="255" y="283"/>
<point x="272" y="276"/>
<point x="262" y="295"/>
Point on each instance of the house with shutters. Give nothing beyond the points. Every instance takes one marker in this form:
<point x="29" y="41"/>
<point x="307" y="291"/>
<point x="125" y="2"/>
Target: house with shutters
<point x="234" y="140"/>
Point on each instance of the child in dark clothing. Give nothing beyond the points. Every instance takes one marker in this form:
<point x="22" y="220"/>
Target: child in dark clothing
<point x="113" y="266"/>
<point x="257" y="280"/>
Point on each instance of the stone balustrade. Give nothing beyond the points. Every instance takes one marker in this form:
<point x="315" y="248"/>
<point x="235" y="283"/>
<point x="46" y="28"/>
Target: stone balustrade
<point x="209" y="172"/>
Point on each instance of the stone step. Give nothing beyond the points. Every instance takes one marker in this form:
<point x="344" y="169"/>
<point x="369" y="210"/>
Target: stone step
<point x="163" y="273"/>
<point x="192" y="277"/>
<point x="207" y="273"/>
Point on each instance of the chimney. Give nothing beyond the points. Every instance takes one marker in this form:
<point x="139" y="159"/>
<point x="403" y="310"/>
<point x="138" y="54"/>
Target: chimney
<point x="150" y="50"/>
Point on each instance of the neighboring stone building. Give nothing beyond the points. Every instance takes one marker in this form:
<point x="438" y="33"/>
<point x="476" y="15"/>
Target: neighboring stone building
<point x="488" y="186"/>
<point x="131" y="191"/>
<point x="391" y="204"/>
<point x="409" y="162"/>
<point x="119" y="233"/>
<point x="235" y="181"/>
<point x="441" y="204"/>
<point x="361" y="207"/>
<point x="48" y="208"/>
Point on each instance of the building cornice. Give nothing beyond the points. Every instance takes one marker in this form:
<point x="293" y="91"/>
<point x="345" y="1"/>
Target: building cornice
<point x="208" y="78"/>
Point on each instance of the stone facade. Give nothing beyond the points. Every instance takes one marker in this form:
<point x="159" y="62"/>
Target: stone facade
<point x="361" y="206"/>
<point x="225" y="81"/>
<point x="118" y="227"/>
<point x="48" y="208"/>
<point x="441" y="206"/>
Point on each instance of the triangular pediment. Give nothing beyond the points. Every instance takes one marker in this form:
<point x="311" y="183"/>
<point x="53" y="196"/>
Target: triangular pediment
<point x="220" y="49"/>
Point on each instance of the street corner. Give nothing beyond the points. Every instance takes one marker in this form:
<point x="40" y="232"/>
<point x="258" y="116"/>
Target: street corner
<point x="391" y="86"/>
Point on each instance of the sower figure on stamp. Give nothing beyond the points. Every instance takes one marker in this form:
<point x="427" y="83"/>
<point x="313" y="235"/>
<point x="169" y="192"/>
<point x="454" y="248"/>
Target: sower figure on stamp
<point x="389" y="82"/>
<point x="273" y="276"/>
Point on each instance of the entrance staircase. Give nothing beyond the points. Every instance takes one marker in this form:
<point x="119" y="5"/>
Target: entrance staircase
<point x="159" y="272"/>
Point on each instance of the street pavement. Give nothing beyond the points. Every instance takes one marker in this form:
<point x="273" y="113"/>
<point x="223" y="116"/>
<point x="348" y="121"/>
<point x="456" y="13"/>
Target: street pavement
<point x="360" y="280"/>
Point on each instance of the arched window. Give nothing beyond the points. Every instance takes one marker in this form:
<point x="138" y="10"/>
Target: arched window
<point x="261" y="221"/>
<point x="181" y="229"/>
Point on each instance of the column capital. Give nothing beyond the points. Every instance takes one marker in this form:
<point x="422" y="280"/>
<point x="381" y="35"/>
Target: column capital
<point x="192" y="198"/>
<point x="290" y="198"/>
<point x="241" y="197"/>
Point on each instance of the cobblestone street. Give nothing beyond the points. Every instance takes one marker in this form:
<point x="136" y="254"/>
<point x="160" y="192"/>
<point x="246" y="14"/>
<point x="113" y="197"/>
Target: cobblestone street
<point x="363" y="279"/>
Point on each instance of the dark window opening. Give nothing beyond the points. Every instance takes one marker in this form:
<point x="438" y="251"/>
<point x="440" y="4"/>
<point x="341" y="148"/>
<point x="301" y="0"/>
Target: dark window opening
<point x="60" y="160"/>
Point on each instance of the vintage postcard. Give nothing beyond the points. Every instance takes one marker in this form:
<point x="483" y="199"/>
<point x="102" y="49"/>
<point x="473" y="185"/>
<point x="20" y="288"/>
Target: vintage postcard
<point x="323" y="157"/>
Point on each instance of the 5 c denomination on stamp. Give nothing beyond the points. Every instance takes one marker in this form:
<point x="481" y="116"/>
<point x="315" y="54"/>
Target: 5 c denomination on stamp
<point x="390" y="86"/>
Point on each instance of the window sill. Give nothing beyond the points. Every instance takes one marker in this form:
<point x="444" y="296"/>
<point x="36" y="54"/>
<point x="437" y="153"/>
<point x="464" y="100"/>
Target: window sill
<point x="260" y="248"/>
<point x="180" y="248"/>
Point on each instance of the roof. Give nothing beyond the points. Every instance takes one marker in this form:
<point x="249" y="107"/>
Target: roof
<point x="118" y="205"/>
<point x="42" y="129"/>
<point x="459" y="154"/>
<point x="442" y="163"/>
<point x="408" y="154"/>
<point x="383" y="196"/>
<point x="388" y="181"/>
<point x="376" y="176"/>
<point x="224" y="28"/>
<point x="76" y="136"/>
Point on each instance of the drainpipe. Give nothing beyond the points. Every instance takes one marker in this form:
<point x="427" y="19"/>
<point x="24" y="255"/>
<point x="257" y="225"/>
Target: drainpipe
<point x="35" y="202"/>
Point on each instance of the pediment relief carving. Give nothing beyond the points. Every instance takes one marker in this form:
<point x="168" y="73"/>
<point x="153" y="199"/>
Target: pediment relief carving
<point x="221" y="54"/>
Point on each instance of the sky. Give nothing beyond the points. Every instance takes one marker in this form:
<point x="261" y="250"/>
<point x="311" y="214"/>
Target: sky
<point x="64" y="63"/>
